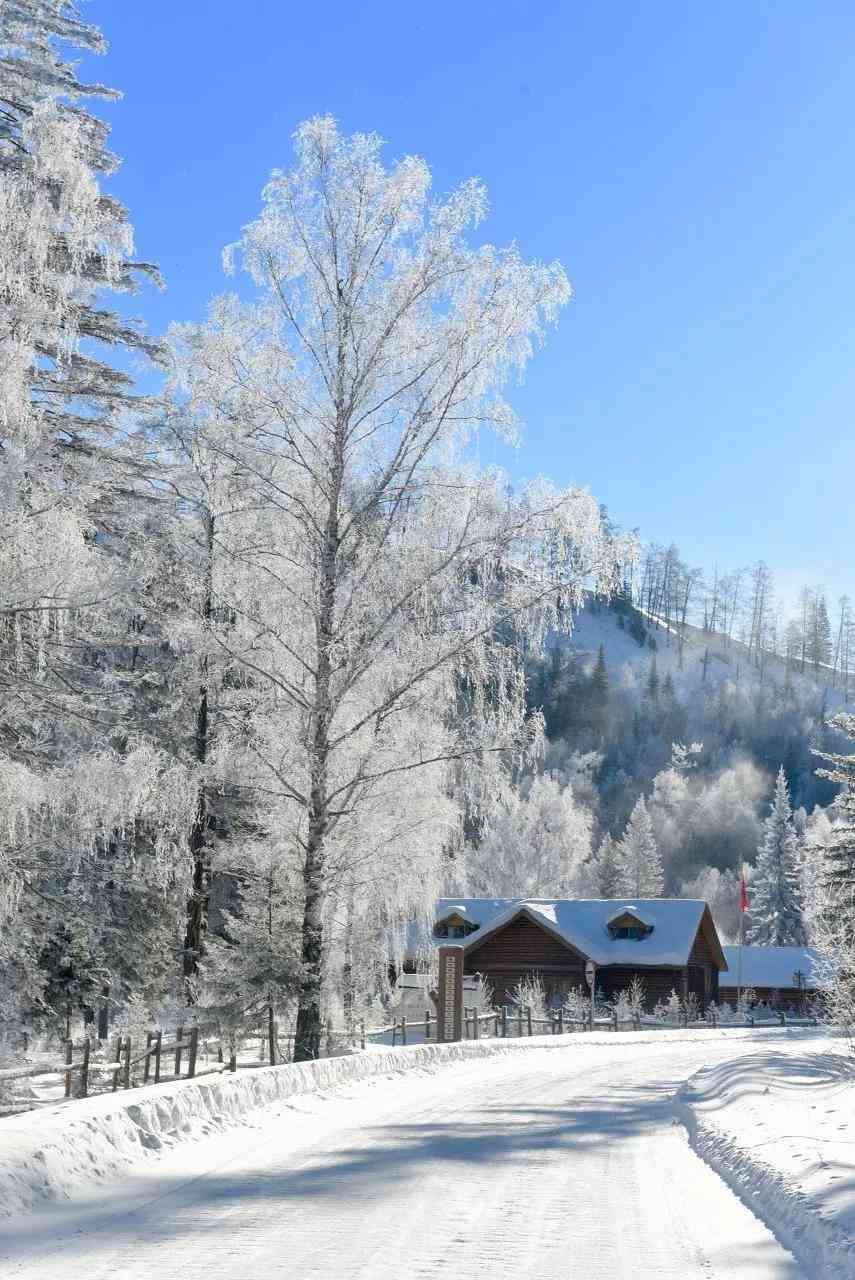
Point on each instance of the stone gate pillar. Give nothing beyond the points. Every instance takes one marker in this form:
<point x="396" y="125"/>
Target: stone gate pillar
<point x="449" y="1004"/>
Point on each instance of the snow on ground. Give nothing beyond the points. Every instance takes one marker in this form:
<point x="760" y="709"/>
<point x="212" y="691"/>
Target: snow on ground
<point x="551" y="1157"/>
<point x="779" y="1126"/>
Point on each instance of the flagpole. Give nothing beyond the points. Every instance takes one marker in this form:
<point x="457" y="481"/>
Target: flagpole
<point x="742" y="896"/>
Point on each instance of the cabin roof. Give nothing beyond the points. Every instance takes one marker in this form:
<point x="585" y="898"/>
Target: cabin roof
<point x="582" y="923"/>
<point x="772" y="966"/>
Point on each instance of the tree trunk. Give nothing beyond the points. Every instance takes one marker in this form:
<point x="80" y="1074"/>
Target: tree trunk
<point x="197" y="904"/>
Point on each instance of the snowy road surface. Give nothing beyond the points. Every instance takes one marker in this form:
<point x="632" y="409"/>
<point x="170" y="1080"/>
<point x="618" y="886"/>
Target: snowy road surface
<point x="562" y="1162"/>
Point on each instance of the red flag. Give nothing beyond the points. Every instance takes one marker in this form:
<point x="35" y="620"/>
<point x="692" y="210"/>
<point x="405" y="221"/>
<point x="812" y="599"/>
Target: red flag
<point x="743" y="892"/>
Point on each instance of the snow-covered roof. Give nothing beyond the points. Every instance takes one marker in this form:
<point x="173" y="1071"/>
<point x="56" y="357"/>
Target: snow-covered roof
<point x="771" y="966"/>
<point x="582" y="923"/>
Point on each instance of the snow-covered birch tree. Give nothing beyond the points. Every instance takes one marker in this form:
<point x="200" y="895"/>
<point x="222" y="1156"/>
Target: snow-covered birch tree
<point x="383" y="590"/>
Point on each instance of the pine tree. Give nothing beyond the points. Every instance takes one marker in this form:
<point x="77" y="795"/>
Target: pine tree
<point x="776" y="906"/>
<point x="652" y="686"/>
<point x="834" y="921"/>
<point x="605" y="869"/>
<point x="641" y="873"/>
<point x="600" y="677"/>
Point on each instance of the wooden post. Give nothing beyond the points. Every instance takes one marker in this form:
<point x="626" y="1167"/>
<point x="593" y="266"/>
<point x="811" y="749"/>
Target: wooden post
<point x="615" y="1017"/>
<point x="394" y="1032"/>
<point x="362" y="1033"/>
<point x="232" y="1051"/>
<point x="427" y="1025"/>
<point x="519" y="1021"/>
<point x="158" y="1040"/>
<point x="127" y="1065"/>
<point x="504" y="1022"/>
<point x="69" y="1053"/>
<point x="149" y="1036"/>
<point x="496" y="1025"/>
<point x="194" y="1049"/>
<point x="179" y="1036"/>
<point x="117" y="1058"/>
<point x="561" y="1021"/>
<point x="271" y="1033"/>
<point x="84" y="1071"/>
<point x="476" y="1025"/>
<point x="528" y="1018"/>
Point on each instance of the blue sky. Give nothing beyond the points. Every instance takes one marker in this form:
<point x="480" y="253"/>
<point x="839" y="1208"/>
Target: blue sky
<point x="691" y="165"/>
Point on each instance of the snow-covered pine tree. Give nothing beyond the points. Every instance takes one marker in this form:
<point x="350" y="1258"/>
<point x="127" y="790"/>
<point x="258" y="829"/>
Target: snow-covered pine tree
<point x="834" y="915"/>
<point x="641" y="873"/>
<point x="604" y="869"/>
<point x="776" y="898"/>
<point x="88" y="798"/>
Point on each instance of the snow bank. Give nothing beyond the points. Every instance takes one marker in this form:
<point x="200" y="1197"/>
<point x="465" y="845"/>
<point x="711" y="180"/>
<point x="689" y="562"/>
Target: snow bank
<point x="52" y="1153"/>
<point x="779" y="1128"/>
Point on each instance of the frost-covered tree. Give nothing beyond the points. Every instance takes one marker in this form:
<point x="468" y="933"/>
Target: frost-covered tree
<point x="91" y="798"/>
<point x="834" y="914"/>
<point x="776" y="898"/>
<point x="381" y="588"/>
<point x="535" y="845"/>
<point x="604" y="870"/>
<point x="641" y="874"/>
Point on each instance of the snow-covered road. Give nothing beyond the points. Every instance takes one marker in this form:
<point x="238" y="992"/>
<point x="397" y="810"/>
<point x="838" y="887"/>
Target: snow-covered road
<point x="561" y="1162"/>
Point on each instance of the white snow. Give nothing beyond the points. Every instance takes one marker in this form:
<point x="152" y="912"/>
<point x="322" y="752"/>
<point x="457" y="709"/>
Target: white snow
<point x="558" y="1158"/>
<point x="779" y="1126"/>
<point x="583" y="923"/>
<point x="772" y="966"/>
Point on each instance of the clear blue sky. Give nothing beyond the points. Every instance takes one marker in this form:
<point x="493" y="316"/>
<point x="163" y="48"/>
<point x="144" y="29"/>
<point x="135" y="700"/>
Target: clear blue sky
<point x="692" y="165"/>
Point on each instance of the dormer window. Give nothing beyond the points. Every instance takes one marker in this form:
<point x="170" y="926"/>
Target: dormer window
<point x="453" y="927"/>
<point x="627" y="926"/>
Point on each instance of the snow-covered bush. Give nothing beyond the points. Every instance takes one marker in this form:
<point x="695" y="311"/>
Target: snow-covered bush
<point x="529" y="994"/>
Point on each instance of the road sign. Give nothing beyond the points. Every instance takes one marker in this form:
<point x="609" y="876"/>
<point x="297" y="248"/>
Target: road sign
<point x="590" y="973"/>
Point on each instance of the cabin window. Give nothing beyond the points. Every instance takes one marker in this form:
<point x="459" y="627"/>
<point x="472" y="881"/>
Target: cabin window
<point x="635" y="931"/>
<point x="454" y="929"/>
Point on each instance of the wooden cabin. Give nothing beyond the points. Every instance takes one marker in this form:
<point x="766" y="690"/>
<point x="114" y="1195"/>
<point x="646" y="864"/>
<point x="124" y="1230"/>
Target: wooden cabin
<point x="780" y="977"/>
<point x="670" y="943"/>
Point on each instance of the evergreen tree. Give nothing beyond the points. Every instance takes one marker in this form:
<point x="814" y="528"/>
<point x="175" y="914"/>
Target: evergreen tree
<point x="641" y="873"/>
<point x="600" y="677"/>
<point x="652" y="686"/>
<point x="834" y="919"/>
<point x="776" y="906"/>
<point x="605" y="867"/>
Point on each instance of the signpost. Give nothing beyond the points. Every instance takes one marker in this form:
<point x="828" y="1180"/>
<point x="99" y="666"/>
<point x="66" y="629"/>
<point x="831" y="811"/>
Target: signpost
<point x="591" y="979"/>
<point x="449" y="1004"/>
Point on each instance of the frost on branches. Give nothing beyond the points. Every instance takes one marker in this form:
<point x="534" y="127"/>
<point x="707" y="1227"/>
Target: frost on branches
<point x="84" y="807"/>
<point x="834" y="919"/>
<point x="641" y="873"/>
<point x="776" y="893"/>
<point x="381" y="592"/>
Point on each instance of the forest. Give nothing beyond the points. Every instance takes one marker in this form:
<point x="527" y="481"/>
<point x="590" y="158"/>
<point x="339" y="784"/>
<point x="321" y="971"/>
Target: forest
<point x="280" y="663"/>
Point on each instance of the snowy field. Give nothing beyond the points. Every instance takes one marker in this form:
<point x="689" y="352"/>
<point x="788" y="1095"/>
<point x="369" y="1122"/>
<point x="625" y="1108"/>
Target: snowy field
<point x="568" y="1159"/>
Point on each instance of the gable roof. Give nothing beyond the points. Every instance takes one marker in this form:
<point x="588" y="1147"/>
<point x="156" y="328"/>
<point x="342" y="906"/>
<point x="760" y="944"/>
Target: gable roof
<point x="772" y="966"/>
<point x="582" y="924"/>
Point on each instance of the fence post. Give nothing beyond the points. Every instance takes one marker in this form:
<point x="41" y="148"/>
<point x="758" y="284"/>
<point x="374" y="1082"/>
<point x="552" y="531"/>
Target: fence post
<point x="149" y="1036"/>
<point x="394" y="1032"/>
<point x="84" y="1071"/>
<point x="528" y="1017"/>
<point x="69" y="1053"/>
<point x="519" y="1021"/>
<point x="127" y="1065"/>
<point x="179" y="1036"/>
<point x="271" y="1033"/>
<point x="476" y="1025"/>
<point x="615" y="1016"/>
<point x="403" y="1030"/>
<point x="194" y="1049"/>
<point x="782" y="1016"/>
<point x="117" y="1058"/>
<point x="158" y="1040"/>
<point x="427" y="1025"/>
<point x="504" y="1022"/>
<point x="362" y="1033"/>
<point x="232" y="1051"/>
<point x="495" y="1024"/>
